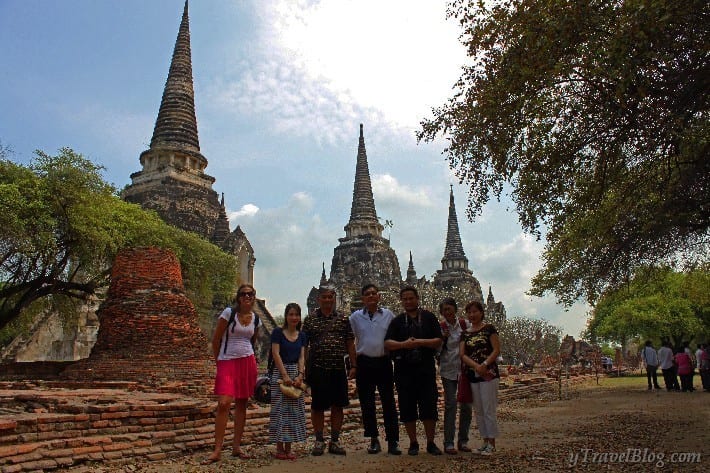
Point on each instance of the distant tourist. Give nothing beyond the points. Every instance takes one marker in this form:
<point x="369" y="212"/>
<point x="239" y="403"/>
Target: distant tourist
<point x="685" y="370"/>
<point x="665" y="360"/>
<point x="480" y="347"/>
<point x="452" y="327"/>
<point x="650" y="359"/>
<point x="704" y="366"/>
<point x="413" y="338"/>
<point x="287" y="421"/>
<point x="374" y="370"/>
<point x="232" y="345"/>
<point x="330" y="338"/>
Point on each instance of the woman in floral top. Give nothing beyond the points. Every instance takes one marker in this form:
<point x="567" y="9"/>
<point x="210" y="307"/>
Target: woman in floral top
<point x="479" y="349"/>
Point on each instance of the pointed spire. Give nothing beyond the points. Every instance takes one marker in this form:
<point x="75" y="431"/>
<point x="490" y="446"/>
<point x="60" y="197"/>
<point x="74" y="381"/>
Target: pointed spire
<point x="411" y="273"/>
<point x="176" y="125"/>
<point x="323" y="279"/>
<point x="363" y="216"/>
<point x="454" y="247"/>
<point x="221" y="228"/>
<point x="490" y="300"/>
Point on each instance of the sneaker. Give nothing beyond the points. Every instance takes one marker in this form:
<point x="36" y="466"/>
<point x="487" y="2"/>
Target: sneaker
<point x="336" y="449"/>
<point x="480" y="449"/>
<point x="488" y="450"/>
<point x="393" y="448"/>
<point x="432" y="449"/>
<point x="413" y="449"/>
<point x="375" y="446"/>
<point x="318" y="448"/>
<point x="464" y="448"/>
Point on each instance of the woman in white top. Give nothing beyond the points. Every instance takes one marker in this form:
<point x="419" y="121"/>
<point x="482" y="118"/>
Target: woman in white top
<point x="236" y="368"/>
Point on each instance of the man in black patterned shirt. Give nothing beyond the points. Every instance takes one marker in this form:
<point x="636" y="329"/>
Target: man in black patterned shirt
<point x="330" y="338"/>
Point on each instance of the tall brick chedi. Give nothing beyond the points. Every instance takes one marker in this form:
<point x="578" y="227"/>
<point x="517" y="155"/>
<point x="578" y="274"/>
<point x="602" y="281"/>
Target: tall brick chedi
<point x="148" y="328"/>
<point x="173" y="181"/>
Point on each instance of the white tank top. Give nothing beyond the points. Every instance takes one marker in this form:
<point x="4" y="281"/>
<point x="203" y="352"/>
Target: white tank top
<point x="236" y="338"/>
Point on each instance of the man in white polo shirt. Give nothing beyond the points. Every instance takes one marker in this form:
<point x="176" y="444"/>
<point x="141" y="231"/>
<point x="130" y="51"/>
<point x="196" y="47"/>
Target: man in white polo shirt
<point x="374" y="369"/>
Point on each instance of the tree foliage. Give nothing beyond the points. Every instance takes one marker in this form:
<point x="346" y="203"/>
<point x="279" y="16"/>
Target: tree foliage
<point x="657" y="304"/>
<point x="595" y="115"/>
<point x="62" y="225"/>
<point x="526" y="340"/>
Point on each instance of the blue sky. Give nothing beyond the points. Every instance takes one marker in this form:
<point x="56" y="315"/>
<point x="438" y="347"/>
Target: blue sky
<point x="280" y="90"/>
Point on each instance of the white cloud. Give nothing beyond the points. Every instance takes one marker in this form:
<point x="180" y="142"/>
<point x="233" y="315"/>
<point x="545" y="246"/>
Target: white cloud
<point x="380" y="53"/>
<point x="247" y="210"/>
<point x="388" y="191"/>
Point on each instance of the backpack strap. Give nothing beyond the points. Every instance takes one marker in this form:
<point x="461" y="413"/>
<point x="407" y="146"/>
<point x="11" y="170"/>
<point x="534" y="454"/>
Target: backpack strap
<point x="232" y="321"/>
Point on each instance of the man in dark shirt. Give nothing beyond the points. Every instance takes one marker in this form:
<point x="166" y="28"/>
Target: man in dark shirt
<point x="413" y="338"/>
<point x="330" y="338"/>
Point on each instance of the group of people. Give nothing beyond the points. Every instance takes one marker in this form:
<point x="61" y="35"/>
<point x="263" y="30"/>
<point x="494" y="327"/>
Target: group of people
<point x="377" y="348"/>
<point x="676" y="363"/>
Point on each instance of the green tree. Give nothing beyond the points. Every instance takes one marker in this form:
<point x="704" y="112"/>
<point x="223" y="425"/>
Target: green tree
<point x="593" y="115"/>
<point x="526" y="340"/>
<point x="62" y="225"/>
<point x="658" y="304"/>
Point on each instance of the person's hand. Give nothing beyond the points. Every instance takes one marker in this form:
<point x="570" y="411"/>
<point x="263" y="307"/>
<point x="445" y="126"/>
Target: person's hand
<point x="298" y="381"/>
<point x="352" y="373"/>
<point x="481" y="369"/>
<point x="287" y="381"/>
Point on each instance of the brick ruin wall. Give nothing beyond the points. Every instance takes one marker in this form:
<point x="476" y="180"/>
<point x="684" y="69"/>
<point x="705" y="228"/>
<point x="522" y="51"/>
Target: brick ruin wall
<point x="148" y="327"/>
<point x="116" y="423"/>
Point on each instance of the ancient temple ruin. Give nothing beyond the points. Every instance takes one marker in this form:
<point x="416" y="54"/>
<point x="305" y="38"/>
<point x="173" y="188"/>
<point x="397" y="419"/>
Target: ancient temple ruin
<point x="365" y="256"/>
<point x="454" y="265"/>
<point x="173" y="181"/>
<point x="148" y="328"/>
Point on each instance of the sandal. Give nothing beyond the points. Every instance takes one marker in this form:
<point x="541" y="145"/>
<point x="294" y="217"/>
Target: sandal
<point x="291" y="456"/>
<point x="450" y="450"/>
<point x="281" y="456"/>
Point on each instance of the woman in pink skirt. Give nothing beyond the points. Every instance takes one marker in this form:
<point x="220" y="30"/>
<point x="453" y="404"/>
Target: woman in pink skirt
<point x="232" y="345"/>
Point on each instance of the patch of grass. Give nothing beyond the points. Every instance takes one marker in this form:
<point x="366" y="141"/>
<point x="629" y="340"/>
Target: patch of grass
<point x="627" y="381"/>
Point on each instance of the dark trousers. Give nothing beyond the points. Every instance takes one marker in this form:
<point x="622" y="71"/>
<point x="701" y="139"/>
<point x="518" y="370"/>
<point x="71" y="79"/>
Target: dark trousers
<point x="705" y="378"/>
<point x="376" y="374"/>
<point x="686" y="382"/>
<point x="652" y="377"/>
<point x="670" y="379"/>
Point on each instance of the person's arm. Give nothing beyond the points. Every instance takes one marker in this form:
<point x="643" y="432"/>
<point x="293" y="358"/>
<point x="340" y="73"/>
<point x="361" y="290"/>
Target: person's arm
<point x="435" y="341"/>
<point x="217" y="337"/>
<point x="491" y="358"/>
<point x="350" y="344"/>
<point x="464" y="357"/>
<point x="278" y="362"/>
<point x="301" y="368"/>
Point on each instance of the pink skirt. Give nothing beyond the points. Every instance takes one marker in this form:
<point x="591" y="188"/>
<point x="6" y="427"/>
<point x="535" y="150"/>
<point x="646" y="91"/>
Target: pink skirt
<point x="236" y="378"/>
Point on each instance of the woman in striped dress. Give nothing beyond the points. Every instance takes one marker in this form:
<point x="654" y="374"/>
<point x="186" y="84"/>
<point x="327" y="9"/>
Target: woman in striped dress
<point x="288" y="416"/>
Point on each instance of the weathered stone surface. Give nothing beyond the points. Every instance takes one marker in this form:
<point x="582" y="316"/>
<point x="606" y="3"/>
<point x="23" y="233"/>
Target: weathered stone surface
<point x="148" y="327"/>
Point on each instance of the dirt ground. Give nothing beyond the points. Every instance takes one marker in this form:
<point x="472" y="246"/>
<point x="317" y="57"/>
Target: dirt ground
<point x="616" y="426"/>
